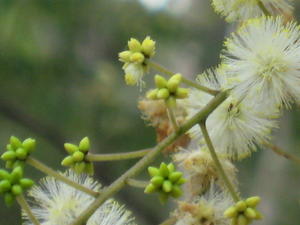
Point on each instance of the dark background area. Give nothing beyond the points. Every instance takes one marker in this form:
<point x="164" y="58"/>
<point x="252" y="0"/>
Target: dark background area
<point x="61" y="80"/>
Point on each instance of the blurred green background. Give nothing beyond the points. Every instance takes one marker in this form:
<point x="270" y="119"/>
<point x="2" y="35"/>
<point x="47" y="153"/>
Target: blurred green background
<point x="61" y="80"/>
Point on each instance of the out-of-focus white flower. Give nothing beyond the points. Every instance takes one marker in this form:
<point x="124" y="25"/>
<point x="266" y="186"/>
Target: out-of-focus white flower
<point x="56" y="203"/>
<point x="237" y="125"/>
<point x="262" y="61"/>
<point x="205" y="210"/>
<point x="240" y="10"/>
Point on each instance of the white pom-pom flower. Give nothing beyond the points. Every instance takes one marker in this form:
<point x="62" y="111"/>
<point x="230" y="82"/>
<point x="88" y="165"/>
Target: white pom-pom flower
<point x="237" y="125"/>
<point x="240" y="10"/>
<point x="262" y="60"/>
<point x="54" y="202"/>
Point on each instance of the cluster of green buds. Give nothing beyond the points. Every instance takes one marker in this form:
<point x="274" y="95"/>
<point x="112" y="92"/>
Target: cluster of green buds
<point x="244" y="211"/>
<point x="135" y="59"/>
<point x="13" y="184"/>
<point x="17" y="152"/>
<point x="168" y="90"/>
<point x="76" y="159"/>
<point x="166" y="181"/>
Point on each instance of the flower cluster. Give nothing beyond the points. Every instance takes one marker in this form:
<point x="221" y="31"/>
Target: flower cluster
<point x="76" y="160"/>
<point x="243" y="212"/>
<point x="13" y="184"/>
<point x="17" y="152"/>
<point x="135" y="60"/>
<point x="166" y="181"/>
<point x="168" y="90"/>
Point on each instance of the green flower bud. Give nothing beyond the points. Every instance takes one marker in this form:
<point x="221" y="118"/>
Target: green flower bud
<point x="242" y="220"/>
<point x="78" y="156"/>
<point x="26" y="183"/>
<point x="181" y="181"/>
<point x="172" y="85"/>
<point x="68" y="161"/>
<point x="153" y="171"/>
<point x="79" y="167"/>
<point x="163" y="197"/>
<point x="167" y="186"/>
<point x="84" y="145"/>
<point x="157" y="181"/>
<point x="89" y="168"/>
<point x="9" y="199"/>
<point x="175" y="176"/>
<point x="152" y="94"/>
<point x="4" y="175"/>
<point x="18" y="163"/>
<point x="9" y="164"/>
<point x="137" y="57"/>
<point x="259" y="216"/>
<point x="16" y="189"/>
<point x="148" y="47"/>
<point x="171" y="102"/>
<point x="160" y="81"/>
<point x="150" y="189"/>
<point x="71" y="148"/>
<point x="125" y="56"/>
<point x="5" y="186"/>
<point x="171" y="167"/>
<point x="253" y="201"/>
<point x="163" y="93"/>
<point x="163" y="170"/>
<point x="231" y="212"/>
<point x="250" y="213"/>
<point x="9" y="147"/>
<point x="134" y="45"/>
<point x="9" y="155"/>
<point x="241" y="206"/>
<point x="29" y="144"/>
<point x="182" y="93"/>
<point x="16" y="175"/>
<point x="21" y="153"/>
<point x="177" y="77"/>
<point x="234" y="221"/>
<point x="176" y="191"/>
<point x="15" y="142"/>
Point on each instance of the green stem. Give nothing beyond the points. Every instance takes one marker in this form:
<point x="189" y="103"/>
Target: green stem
<point x="217" y="162"/>
<point x="47" y="170"/>
<point x="147" y="159"/>
<point x="169" y="221"/>
<point x="263" y="8"/>
<point x="186" y="81"/>
<point x="172" y="117"/>
<point x="137" y="183"/>
<point x="282" y="153"/>
<point x="24" y="205"/>
<point x="116" y="156"/>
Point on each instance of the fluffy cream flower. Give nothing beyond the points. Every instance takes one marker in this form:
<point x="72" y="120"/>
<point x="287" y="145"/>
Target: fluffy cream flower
<point x="234" y="10"/>
<point x="237" y="125"/>
<point x="56" y="203"/>
<point x="262" y="61"/>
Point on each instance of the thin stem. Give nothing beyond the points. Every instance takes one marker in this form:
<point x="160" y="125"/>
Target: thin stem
<point x="169" y="221"/>
<point x="172" y="117"/>
<point x="186" y="81"/>
<point x="117" y="185"/>
<point x="263" y="8"/>
<point x="217" y="162"/>
<point x="282" y="153"/>
<point x="24" y="205"/>
<point x="137" y="183"/>
<point x="47" y="170"/>
<point x="116" y="156"/>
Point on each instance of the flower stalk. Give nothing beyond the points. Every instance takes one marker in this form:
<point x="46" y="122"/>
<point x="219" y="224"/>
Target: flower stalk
<point x="24" y="205"/>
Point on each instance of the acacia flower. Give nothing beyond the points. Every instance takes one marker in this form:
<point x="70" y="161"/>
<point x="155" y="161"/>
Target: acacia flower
<point x="56" y="203"/>
<point x="240" y="10"/>
<point x="262" y="60"/>
<point x="237" y="125"/>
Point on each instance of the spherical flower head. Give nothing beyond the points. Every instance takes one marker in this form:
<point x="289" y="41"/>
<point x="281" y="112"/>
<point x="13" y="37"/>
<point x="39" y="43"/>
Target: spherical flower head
<point x="201" y="171"/>
<point x="240" y="10"/>
<point x="54" y="202"/>
<point x="205" y="210"/>
<point x="236" y="126"/>
<point x="262" y="60"/>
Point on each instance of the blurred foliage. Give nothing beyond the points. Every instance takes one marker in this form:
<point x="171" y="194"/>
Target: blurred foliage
<point x="61" y="81"/>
